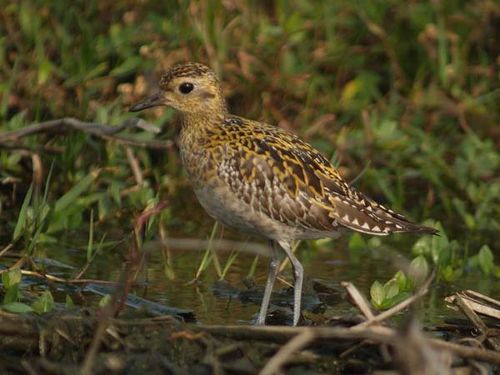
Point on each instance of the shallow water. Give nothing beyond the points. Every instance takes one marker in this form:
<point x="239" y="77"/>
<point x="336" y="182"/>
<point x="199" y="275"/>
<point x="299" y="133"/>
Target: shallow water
<point x="328" y="262"/>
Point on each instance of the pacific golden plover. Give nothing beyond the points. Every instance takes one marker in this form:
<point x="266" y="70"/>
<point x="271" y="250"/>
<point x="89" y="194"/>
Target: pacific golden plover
<point x="261" y="179"/>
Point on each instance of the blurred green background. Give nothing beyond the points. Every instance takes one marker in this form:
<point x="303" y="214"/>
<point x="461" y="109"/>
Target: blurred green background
<point x="402" y="96"/>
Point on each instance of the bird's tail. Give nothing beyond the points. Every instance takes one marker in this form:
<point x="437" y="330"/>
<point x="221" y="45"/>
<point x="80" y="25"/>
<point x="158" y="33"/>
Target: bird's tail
<point x="363" y="214"/>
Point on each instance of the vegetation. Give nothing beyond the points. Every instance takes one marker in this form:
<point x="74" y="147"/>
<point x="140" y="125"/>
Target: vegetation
<point x="402" y="96"/>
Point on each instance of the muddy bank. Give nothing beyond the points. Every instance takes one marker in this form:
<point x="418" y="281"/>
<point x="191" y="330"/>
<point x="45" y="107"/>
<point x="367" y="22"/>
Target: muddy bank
<point x="63" y="343"/>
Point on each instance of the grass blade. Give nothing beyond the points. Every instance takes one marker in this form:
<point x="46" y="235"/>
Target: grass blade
<point x="23" y="219"/>
<point x="67" y="199"/>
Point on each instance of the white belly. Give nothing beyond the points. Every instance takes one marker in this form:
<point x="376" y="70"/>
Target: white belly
<point x="223" y="206"/>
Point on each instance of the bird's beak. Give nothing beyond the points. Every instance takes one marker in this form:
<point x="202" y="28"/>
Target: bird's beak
<point x="154" y="100"/>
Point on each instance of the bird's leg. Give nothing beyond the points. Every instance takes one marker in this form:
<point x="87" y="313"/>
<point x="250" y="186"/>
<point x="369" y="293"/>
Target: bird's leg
<point x="298" y="273"/>
<point x="274" y="265"/>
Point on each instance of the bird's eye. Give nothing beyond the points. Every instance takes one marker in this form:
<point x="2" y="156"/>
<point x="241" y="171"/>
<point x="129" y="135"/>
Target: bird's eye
<point x="186" y="87"/>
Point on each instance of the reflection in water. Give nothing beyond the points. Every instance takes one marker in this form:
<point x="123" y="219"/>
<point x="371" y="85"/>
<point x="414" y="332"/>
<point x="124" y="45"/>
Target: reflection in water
<point x="327" y="264"/>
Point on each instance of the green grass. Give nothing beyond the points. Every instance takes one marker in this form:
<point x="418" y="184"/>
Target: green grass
<point x="408" y="93"/>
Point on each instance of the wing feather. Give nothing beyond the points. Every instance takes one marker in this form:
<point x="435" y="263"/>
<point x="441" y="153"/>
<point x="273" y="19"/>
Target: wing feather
<point x="285" y="178"/>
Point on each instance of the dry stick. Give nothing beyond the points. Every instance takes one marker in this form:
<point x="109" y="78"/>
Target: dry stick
<point x="19" y="263"/>
<point x="37" y="167"/>
<point x="96" y="129"/>
<point x="107" y="313"/>
<point x="134" y="165"/>
<point x="193" y="244"/>
<point x="20" y="326"/>
<point x="413" y="355"/>
<point x="273" y="366"/>
<point x="376" y="334"/>
<point x="6" y="249"/>
<point x="472" y="316"/>
<point x="284" y="333"/>
<point x="41" y="149"/>
<point x="365" y="309"/>
<point x="490" y="356"/>
<point x="62" y="280"/>
<point x="478" y="303"/>
<point x="477" y="322"/>
<point x="475" y="295"/>
<point x="65" y="123"/>
<point x="358" y="299"/>
<point x="400" y="306"/>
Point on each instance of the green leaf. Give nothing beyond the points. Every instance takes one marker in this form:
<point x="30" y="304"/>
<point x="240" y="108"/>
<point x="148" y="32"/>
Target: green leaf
<point x="398" y="298"/>
<point x="450" y="274"/>
<point x="391" y="288"/>
<point x="422" y="246"/>
<point x="402" y="280"/>
<point x="377" y="294"/>
<point x="419" y="270"/>
<point x="105" y="207"/>
<point x="90" y="243"/>
<point x="105" y="300"/>
<point x="44" y="303"/>
<point x="69" y="302"/>
<point x="436" y="248"/>
<point x="44" y="70"/>
<point x="440" y="248"/>
<point x="485" y="258"/>
<point x="115" y="192"/>
<point x="129" y="65"/>
<point x="356" y="242"/>
<point x="497" y="272"/>
<point x="12" y="294"/>
<point x="11" y="278"/>
<point x="17" y="308"/>
<point x="70" y="197"/>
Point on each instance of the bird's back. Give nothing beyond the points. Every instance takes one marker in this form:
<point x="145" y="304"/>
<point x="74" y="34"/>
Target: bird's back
<point x="264" y="180"/>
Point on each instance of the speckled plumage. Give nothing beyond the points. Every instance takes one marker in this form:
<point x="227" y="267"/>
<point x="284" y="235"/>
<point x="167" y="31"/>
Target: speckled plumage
<point x="261" y="179"/>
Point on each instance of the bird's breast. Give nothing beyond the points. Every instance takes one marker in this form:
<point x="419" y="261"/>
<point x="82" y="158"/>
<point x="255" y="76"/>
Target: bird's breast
<point x="197" y="158"/>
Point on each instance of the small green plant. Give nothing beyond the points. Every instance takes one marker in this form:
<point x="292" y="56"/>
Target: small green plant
<point x="400" y="286"/>
<point x="11" y="281"/>
<point x="451" y="258"/>
<point x="105" y="300"/>
<point x="44" y="303"/>
<point x="430" y="251"/>
<point x="485" y="261"/>
<point x="39" y="218"/>
<point x="69" y="302"/>
<point x="209" y="256"/>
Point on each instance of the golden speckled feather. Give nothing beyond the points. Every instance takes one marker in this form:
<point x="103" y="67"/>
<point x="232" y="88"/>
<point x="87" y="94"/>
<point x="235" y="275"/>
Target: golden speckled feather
<point x="278" y="174"/>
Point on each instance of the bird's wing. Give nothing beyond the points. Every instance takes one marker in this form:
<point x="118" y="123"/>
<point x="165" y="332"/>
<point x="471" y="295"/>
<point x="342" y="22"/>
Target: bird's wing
<point x="280" y="175"/>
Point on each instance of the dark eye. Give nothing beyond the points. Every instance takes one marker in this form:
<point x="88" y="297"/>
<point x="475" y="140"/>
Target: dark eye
<point x="186" y="87"/>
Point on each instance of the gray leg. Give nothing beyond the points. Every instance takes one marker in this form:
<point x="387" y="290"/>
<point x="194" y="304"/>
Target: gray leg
<point x="298" y="273"/>
<point x="271" y="278"/>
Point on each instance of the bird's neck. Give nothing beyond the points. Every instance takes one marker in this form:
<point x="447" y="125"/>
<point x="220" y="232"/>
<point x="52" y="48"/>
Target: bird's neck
<point x="196" y="141"/>
<point x="201" y="122"/>
<point x="202" y="119"/>
<point x="197" y="128"/>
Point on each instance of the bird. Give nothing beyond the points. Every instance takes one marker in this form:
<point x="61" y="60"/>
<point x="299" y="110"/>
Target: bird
<point x="261" y="179"/>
